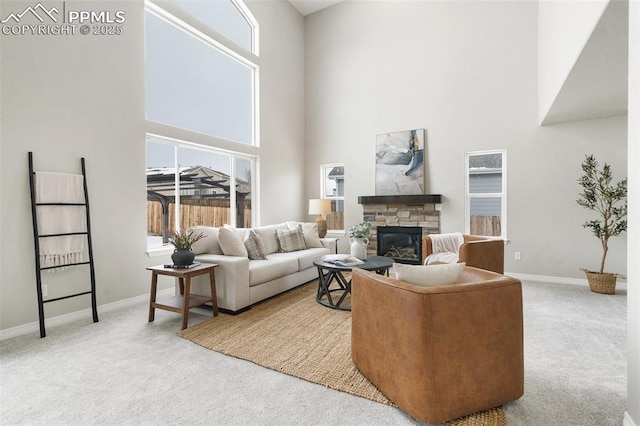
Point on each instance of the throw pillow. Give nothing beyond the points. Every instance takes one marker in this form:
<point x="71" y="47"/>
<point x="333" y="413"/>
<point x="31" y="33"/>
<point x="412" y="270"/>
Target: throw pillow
<point x="310" y="233"/>
<point x="433" y="275"/>
<point x="255" y="246"/>
<point x="292" y="240"/>
<point x="268" y="235"/>
<point x="231" y="243"/>
<point x="208" y="245"/>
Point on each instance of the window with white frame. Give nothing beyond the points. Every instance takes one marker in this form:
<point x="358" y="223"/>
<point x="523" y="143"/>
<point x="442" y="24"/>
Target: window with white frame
<point x="486" y="193"/>
<point x="228" y="17"/>
<point x="201" y="98"/>
<point x="332" y="183"/>
<point x="195" y="82"/>
<point x="191" y="185"/>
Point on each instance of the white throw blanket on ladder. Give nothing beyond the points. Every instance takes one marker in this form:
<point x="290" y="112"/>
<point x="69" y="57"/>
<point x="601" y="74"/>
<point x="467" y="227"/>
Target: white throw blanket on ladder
<point x="60" y="188"/>
<point x="445" y="248"/>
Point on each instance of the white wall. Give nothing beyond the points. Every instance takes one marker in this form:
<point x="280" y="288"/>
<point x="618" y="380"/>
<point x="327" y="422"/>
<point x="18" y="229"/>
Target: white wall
<point x="633" y="249"/>
<point x="64" y="97"/>
<point x="564" y="27"/>
<point x="467" y="72"/>
<point x="282" y="110"/>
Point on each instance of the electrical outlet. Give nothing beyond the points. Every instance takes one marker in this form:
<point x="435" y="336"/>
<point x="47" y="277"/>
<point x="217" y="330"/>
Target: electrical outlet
<point x="44" y="290"/>
<point x="517" y="255"/>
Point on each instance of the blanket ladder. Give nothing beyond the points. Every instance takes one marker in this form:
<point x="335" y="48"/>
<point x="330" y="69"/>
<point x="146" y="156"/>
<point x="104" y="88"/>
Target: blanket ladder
<point x="36" y="241"/>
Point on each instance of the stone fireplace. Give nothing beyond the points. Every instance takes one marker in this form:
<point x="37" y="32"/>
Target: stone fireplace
<point x="411" y="211"/>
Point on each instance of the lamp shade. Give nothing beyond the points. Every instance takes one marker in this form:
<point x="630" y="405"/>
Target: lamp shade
<point x="319" y="206"/>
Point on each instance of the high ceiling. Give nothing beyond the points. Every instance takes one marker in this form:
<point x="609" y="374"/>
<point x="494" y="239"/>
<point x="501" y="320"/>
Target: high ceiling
<point x="596" y="87"/>
<point x="307" y="7"/>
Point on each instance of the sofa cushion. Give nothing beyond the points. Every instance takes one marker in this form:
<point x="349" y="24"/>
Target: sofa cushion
<point x="306" y="257"/>
<point x="261" y="271"/>
<point x="268" y="236"/>
<point x="310" y="233"/>
<point x="291" y="240"/>
<point x="231" y="242"/>
<point x="209" y="244"/>
<point x="429" y="275"/>
<point x="255" y="246"/>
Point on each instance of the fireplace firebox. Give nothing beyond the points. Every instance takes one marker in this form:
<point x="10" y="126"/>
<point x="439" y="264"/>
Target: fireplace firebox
<point x="402" y="243"/>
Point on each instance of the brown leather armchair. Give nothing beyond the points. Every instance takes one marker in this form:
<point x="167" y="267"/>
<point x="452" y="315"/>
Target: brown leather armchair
<point x="440" y="352"/>
<point x="479" y="252"/>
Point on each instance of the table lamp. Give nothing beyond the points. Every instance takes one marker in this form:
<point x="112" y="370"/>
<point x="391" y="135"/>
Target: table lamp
<point x="320" y="207"/>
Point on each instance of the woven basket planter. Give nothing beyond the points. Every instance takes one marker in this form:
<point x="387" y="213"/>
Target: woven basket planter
<point x="604" y="283"/>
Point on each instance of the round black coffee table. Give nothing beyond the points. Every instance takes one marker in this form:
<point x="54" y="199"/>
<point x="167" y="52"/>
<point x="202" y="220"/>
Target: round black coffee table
<point x="331" y="273"/>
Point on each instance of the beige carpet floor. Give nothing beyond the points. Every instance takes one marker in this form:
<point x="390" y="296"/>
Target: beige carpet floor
<point x="293" y="334"/>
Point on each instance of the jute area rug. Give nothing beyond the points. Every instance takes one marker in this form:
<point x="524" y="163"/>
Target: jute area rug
<point x="293" y="334"/>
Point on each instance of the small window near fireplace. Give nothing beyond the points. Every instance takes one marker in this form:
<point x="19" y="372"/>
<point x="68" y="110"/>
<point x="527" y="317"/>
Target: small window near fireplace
<point x="402" y="243"/>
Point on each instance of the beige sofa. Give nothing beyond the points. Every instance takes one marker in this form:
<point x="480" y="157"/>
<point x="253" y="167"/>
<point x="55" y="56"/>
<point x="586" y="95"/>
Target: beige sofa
<point x="241" y="282"/>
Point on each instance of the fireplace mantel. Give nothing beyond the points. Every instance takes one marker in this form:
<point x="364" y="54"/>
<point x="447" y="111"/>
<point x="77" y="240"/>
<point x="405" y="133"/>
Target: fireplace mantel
<point x="401" y="199"/>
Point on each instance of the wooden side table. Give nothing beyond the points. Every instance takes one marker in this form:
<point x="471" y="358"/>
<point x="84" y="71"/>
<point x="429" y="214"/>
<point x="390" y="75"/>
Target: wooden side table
<point x="185" y="301"/>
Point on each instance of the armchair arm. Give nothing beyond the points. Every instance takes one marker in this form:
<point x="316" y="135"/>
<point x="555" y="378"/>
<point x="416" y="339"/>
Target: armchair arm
<point x="427" y="247"/>
<point x="232" y="281"/>
<point x="485" y="254"/>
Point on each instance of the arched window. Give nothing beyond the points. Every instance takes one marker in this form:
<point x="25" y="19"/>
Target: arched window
<point x="230" y="18"/>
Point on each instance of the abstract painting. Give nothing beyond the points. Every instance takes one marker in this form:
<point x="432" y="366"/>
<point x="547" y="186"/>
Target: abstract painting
<point x="400" y="163"/>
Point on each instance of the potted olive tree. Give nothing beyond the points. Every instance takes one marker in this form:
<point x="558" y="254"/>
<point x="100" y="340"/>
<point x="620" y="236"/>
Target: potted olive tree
<point x="609" y="202"/>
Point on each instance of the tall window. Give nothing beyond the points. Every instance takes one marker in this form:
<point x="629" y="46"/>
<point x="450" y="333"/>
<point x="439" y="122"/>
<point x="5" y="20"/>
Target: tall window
<point x="486" y="205"/>
<point x="332" y="182"/>
<point x="201" y="69"/>
<point x="195" y="82"/>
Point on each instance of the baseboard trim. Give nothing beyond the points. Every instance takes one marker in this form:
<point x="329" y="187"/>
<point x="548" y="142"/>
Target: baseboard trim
<point x="78" y="315"/>
<point x="621" y="283"/>
<point x="548" y="278"/>
<point x="628" y="421"/>
<point x="73" y="316"/>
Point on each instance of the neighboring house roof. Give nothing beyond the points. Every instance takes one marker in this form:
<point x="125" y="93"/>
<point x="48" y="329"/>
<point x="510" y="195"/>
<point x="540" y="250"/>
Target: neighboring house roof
<point x="336" y="173"/>
<point x="161" y="182"/>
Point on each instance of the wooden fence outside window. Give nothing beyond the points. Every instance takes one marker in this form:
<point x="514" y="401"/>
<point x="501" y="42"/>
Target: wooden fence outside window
<point x="486" y="225"/>
<point x="335" y="220"/>
<point x="205" y="213"/>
